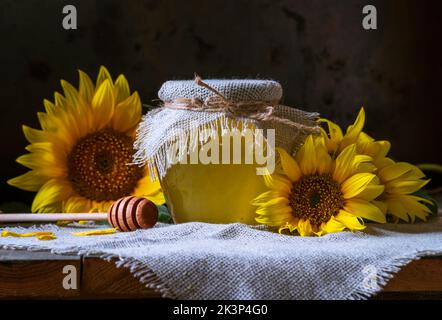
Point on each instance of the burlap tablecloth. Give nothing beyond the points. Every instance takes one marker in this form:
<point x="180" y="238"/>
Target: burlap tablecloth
<point x="208" y="261"/>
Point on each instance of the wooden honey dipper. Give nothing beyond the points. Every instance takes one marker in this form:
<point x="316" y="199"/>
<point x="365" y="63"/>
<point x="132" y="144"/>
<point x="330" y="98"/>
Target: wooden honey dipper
<point x="125" y="214"/>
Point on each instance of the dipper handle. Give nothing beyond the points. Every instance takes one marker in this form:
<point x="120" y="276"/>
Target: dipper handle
<point x="51" y="217"/>
<point x="125" y="214"/>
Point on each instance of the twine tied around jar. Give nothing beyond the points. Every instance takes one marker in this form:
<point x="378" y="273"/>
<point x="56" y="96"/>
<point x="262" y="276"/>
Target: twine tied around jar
<point x="255" y="110"/>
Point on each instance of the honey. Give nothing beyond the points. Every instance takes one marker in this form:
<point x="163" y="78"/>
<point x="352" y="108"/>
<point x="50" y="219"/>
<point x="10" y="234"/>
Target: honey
<point x="215" y="192"/>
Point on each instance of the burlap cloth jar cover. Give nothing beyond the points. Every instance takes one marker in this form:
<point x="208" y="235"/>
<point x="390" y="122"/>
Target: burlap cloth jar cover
<point x="214" y="192"/>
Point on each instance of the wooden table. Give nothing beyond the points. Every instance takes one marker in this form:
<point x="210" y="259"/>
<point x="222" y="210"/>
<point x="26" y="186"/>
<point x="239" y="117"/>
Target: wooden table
<point x="32" y="275"/>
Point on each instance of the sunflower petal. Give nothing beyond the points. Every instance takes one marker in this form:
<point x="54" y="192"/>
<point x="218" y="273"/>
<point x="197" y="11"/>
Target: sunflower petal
<point x="103" y="75"/>
<point x="276" y="220"/>
<point x="415" y="208"/>
<point x="354" y="130"/>
<point x="356" y="184"/>
<point x="70" y="93"/>
<point x="371" y="192"/>
<point x="86" y="86"/>
<point x="34" y="135"/>
<point x="405" y="187"/>
<point x="265" y="197"/>
<point x="345" y="164"/>
<point x="381" y="205"/>
<point x="30" y="181"/>
<point x="277" y="182"/>
<point x="331" y="145"/>
<point x="51" y="192"/>
<point x="323" y="158"/>
<point x="121" y="89"/>
<point x="49" y="107"/>
<point x="396" y="208"/>
<point x="334" y="130"/>
<point x="305" y="228"/>
<point x="274" y="209"/>
<point x="394" y="171"/>
<point x="289" y="165"/>
<point x="127" y="114"/>
<point x="77" y="204"/>
<point x="349" y="220"/>
<point x="306" y="157"/>
<point x="364" y="209"/>
<point x="103" y="104"/>
<point x="331" y="226"/>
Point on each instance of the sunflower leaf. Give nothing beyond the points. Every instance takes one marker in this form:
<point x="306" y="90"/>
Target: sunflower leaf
<point x="15" y="207"/>
<point x="164" y="214"/>
<point x="434" y="207"/>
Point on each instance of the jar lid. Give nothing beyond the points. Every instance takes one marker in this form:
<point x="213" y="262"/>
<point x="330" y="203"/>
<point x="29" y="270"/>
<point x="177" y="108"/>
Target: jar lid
<point x="235" y="90"/>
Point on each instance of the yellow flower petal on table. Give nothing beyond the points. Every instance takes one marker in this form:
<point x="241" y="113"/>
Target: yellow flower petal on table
<point x="46" y="237"/>
<point x="40" y="235"/>
<point x="94" y="232"/>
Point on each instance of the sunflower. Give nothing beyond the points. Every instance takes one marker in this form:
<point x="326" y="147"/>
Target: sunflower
<point x="400" y="179"/>
<point x="336" y="141"/>
<point x="79" y="159"/>
<point x="315" y="194"/>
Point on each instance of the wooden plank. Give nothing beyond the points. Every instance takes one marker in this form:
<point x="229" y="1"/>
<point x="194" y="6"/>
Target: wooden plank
<point x="103" y="279"/>
<point x="36" y="275"/>
<point x="40" y="275"/>
<point x="21" y="255"/>
<point x="419" y="275"/>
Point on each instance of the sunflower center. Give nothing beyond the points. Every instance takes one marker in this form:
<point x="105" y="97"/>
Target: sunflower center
<point x="98" y="166"/>
<point x="316" y="197"/>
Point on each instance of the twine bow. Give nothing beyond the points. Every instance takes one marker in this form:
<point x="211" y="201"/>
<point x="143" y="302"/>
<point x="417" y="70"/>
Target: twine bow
<point x="255" y="110"/>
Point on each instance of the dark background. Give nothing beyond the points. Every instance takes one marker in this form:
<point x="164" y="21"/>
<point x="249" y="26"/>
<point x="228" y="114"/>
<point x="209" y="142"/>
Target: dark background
<point x="317" y="49"/>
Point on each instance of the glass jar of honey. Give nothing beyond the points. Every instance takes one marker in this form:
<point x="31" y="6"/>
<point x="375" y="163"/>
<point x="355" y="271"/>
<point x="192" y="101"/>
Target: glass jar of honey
<point x="211" y="142"/>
